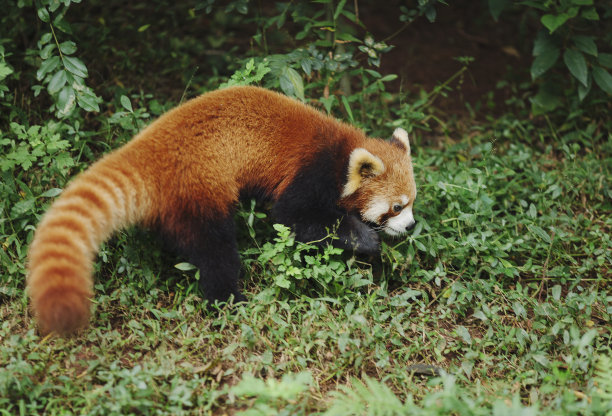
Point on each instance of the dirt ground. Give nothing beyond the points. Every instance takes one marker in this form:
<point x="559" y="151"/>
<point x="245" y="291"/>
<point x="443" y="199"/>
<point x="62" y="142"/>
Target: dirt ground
<point x="425" y="53"/>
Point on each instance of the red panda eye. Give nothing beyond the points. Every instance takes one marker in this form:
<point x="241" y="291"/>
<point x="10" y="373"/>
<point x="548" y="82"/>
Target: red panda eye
<point x="397" y="208"/>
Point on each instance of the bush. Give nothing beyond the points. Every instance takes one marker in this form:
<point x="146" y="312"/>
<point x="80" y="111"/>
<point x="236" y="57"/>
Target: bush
<point x="572" y="49"/>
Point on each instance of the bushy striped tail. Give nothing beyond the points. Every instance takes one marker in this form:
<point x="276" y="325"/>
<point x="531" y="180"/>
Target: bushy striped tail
<point x="104" y="198"/>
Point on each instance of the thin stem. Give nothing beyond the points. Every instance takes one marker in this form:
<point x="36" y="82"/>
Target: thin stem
<point x="57" y="43"/>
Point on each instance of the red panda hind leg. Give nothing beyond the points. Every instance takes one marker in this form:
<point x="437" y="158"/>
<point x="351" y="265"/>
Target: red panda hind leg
<point x="209" y="243"/>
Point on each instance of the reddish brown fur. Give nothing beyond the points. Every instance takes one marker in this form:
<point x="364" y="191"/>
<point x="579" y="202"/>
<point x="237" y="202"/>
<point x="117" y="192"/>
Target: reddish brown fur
<point x="391" y="183"/>
<point x="196" y="159"/>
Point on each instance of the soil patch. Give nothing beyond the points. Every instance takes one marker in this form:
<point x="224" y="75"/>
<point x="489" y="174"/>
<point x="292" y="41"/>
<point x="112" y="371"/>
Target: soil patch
<point x="425" y="54"/>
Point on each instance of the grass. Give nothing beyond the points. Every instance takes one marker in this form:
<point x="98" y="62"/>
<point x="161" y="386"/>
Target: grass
<point x="504" y="285"/>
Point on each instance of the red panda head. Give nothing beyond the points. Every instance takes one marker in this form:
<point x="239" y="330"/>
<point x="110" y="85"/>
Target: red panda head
<point x="380" y="183"/>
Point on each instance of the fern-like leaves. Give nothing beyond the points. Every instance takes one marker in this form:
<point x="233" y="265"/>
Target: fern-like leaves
<point x="602" y="380"/>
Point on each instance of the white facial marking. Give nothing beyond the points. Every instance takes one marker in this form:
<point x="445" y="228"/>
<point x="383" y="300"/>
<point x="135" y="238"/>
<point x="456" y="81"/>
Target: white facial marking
<point x="397" y="225"/>
<point x="373" y="212"/>
<point x="404" y="199"/>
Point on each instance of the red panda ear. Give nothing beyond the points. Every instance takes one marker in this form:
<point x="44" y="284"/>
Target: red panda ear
<point x="362" y="164"/>
<point x="400" y="138"/>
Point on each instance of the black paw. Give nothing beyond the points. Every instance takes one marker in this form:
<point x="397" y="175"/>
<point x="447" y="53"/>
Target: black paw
<point x="360" y="237"/>
<point x="233" y="298"/>
<point x="239" y="297"/>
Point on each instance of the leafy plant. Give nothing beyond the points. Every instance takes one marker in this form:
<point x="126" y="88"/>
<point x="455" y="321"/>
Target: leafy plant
<point x="602" y="383"/>
<point x="366" y="398"/>
<point x="5" y="71"/>
<point x="60" y="71"/>
<point x="37" y="145"/>
<point x="270" y="396"/>
<point x="295" y="265"/>
<point x="573" y="37"/>
<point x="251" y="75"/>
<point x="374" y="398"/>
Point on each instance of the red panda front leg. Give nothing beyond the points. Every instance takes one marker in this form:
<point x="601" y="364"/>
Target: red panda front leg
<point x="359" y="236"/>
<point x="311" y="223"/>
<point x="309" y="205"/>
<point x="210" y="245"/>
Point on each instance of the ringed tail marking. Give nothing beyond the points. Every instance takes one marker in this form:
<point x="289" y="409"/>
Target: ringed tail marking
<point x="60" y="259"/>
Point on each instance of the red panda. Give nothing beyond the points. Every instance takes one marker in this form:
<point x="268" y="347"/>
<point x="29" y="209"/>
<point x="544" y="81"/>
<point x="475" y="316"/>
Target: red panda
<point x="184" y="174"/>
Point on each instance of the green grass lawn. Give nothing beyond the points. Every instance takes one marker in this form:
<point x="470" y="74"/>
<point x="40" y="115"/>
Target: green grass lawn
<point x="504" y="285"/>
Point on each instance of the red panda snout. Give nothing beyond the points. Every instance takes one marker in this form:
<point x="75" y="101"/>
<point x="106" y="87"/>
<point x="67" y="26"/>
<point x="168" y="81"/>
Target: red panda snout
<point x="392" y="218"/>
<point x="401" y="223"/>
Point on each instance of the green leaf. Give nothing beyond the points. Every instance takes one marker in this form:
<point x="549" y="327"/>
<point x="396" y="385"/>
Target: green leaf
<point x="583" y="91"/>
<point x="590" y="14"/>
<point x="348" y="37"/>
<point x="543" y="41"/>
<point x="125" y="103"/>
<point x="57" y="82"/>
<point x="282" y="281"/>
<point x="576" y="64"/>
<point x="352" y="17"/>
<point x="45" y="52"/>
<point x="54" y="5"/>
<point x="532" y="211"/>
<point x="556" y="292"/>
<point x="306" y="66"/>
<point x="605" y="59"/>
<point x="339" y="9"/>
<point x="540" y="233"/>
<point x="68" y="48"/>
<point x="535" y="4"/>
<point x="51" y="193"/>
<point x="75" y="66"/>
<point x="60" y="23"/>
<point x="552" y="22"/>
<point x="519" y="309"/>
<point x="544" y="61"/>
<point x="43" y="14"/>
<point x="496" y="7"/>
<point x="66" y="101"/>
<point x="464" y="333"/>
<point x="185" y="266"/>
<point x="88" y="101"/>
<point x="586" y="44"/>
<point x="22" y="207"/>
<point x="603" y="79"/>
<point x="572" y="12"/>
<point x="5" y="71"/>
<point x="47" y="66"/>
<point x="388" y="78"/>
<point x="541" y="358"/>
<point x="44" y="39"/>
<point x="323" y="43"/>
<point x="430" y="13"/>
<point x="291" y="83"/>
<point x="328" y="102"/>
<point x="347" y="107"/>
